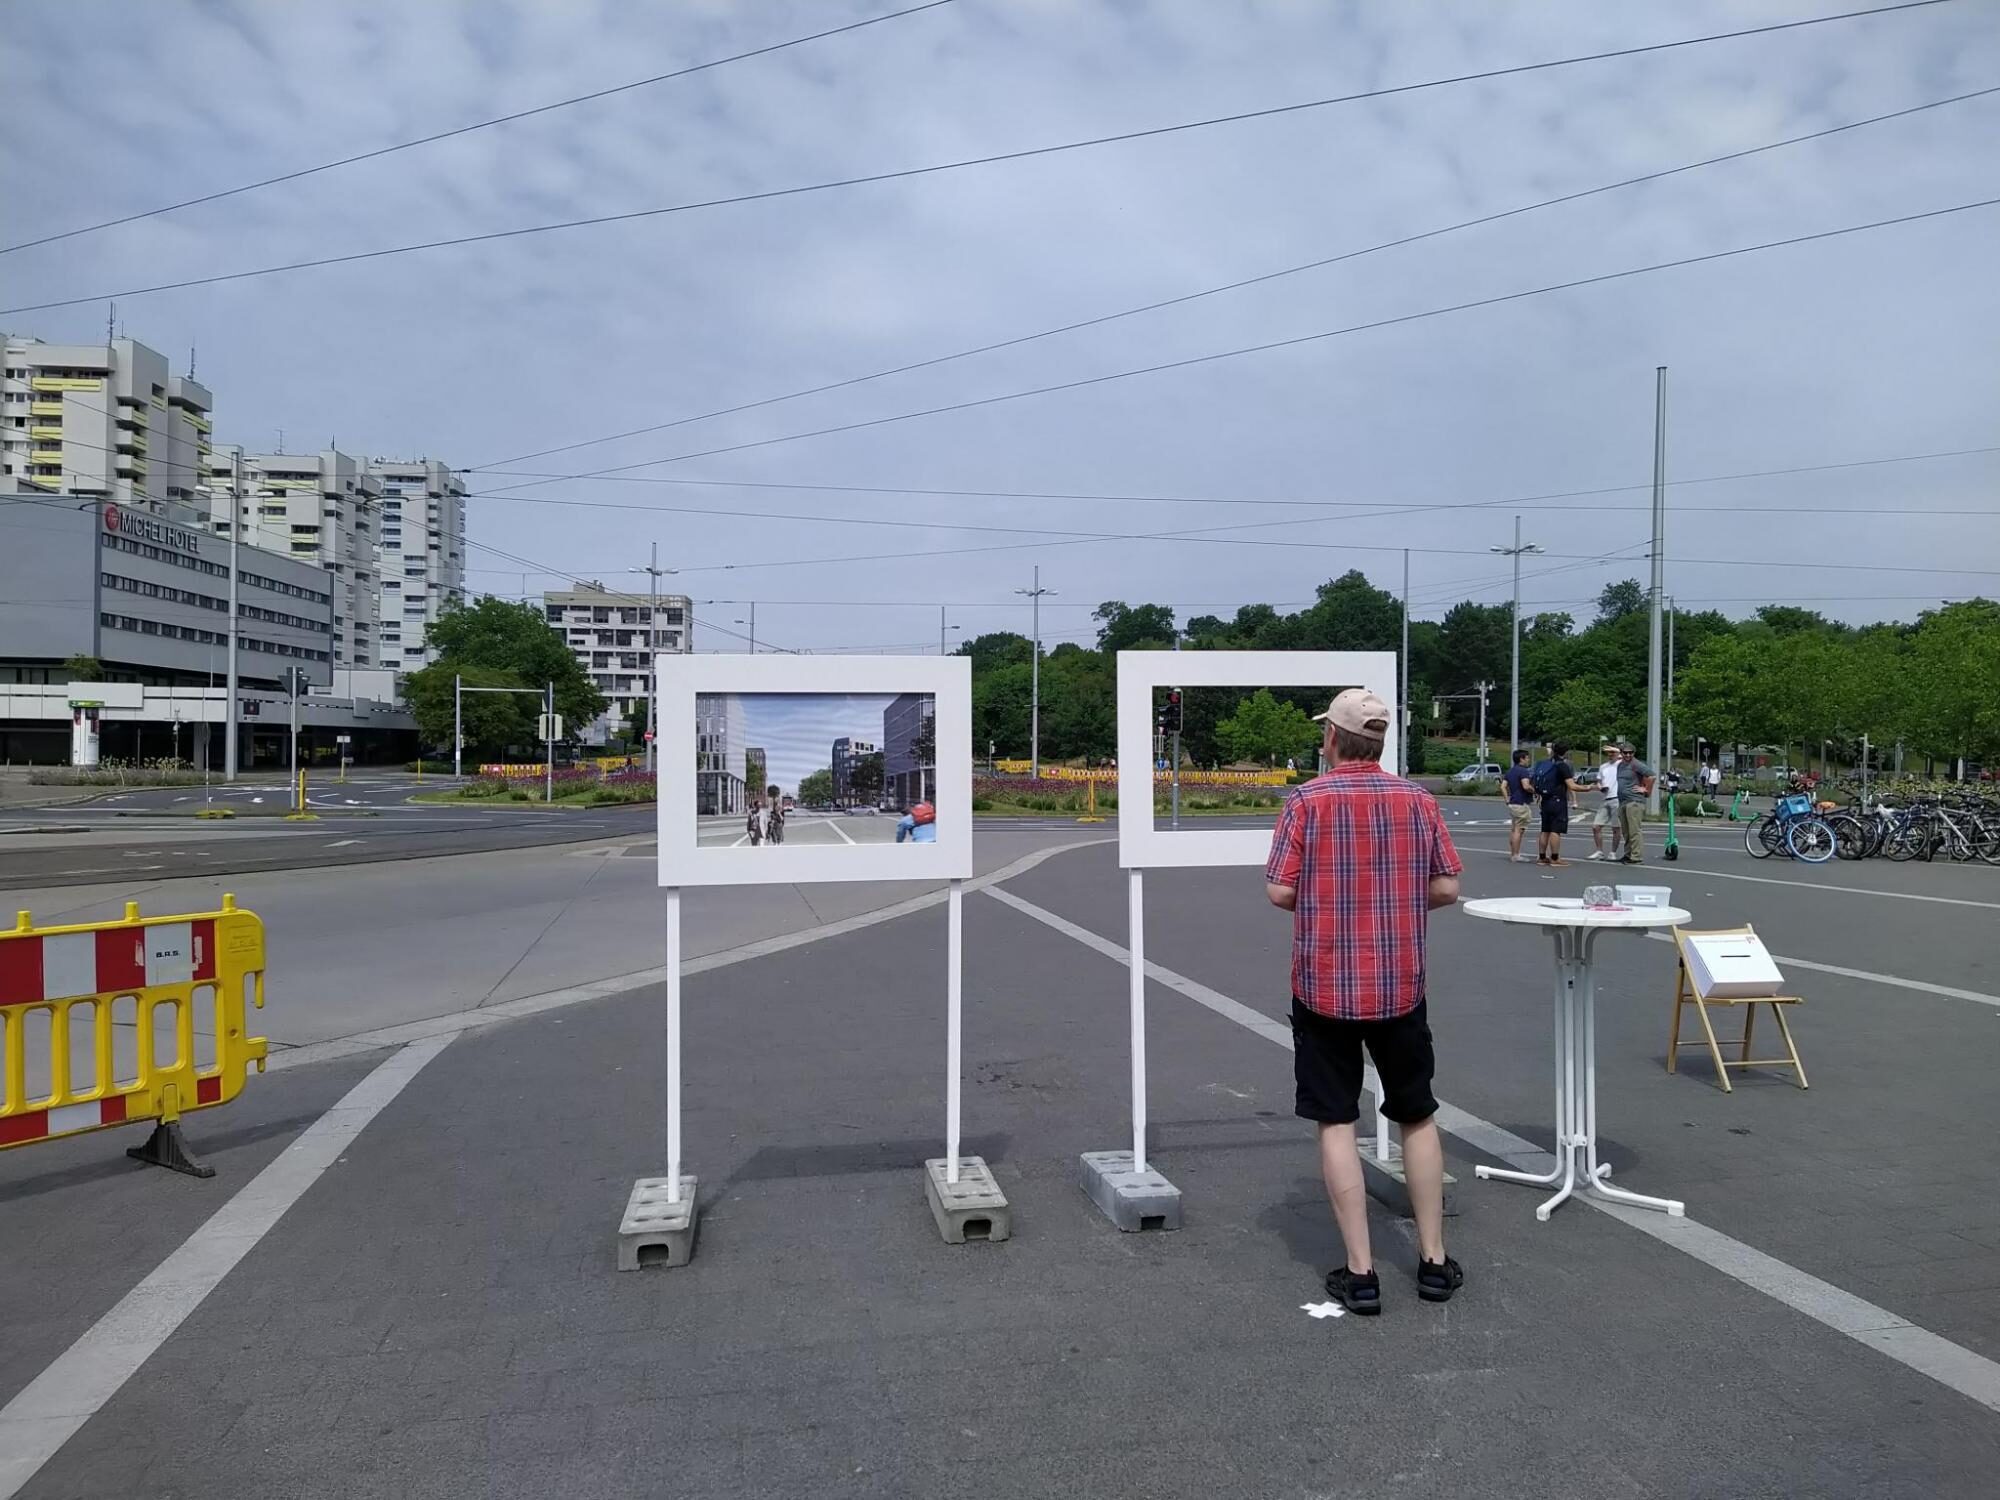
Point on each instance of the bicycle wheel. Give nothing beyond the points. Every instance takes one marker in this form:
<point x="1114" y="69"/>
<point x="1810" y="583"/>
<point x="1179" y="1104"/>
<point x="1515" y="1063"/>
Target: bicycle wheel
<point x="1907" y="840"/>
<point x="1811" y="840"/>
<point x="1850" y="836"/>
<point x="1755" y="840"/>
<point x="1986" y="839"/>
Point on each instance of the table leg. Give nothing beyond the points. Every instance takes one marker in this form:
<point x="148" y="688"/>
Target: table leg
<point x="1596" y="1172"/>
<point x="1569" y="1114"/>
<point x="1555" y="1174"/>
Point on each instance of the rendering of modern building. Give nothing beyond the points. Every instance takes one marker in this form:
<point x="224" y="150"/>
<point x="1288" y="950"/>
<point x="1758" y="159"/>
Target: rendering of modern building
<point x="848" y="752"/>
<point x="421" y="553"/>
<point x="322" y="508"/>
<point x="104" y="421"/>
<point x="610" y="635"/>
<point x="909" y="753"/>
<point x="719" y="755"/>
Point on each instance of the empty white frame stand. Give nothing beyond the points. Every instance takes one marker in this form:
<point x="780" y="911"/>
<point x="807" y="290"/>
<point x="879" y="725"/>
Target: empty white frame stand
<point x="1132" y="1194"/>
<point x="660" y="1218"/>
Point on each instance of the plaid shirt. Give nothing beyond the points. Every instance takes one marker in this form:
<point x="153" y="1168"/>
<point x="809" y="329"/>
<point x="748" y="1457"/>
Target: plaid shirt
<point x="1360" y="847"/>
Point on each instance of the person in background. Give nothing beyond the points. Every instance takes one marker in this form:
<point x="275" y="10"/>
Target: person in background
<point x="1520" y="788"/>
<point x="774" y="816"/>
<point x="918" y="825"/>
<point x="1556" y="784"/>
<point x="754" y="823"/>
<point x="1604" y="811"/>
<point x="1635" y="780"/>
<point x="1361" y="857"/>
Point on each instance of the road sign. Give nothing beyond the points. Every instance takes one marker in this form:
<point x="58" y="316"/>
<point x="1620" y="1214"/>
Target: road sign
<point x="343" y="739"/>
<point x="549" y="726"/>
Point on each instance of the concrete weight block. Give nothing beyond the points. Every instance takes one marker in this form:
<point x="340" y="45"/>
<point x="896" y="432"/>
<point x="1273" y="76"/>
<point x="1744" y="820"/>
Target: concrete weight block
<point x="973" y="1208"/>
<point x="655" y="1232"/>
<point x="1133" y="1200"/>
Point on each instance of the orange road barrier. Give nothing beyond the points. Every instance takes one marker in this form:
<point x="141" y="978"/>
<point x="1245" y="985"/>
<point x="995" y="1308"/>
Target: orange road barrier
<point x="85" y="1016"/>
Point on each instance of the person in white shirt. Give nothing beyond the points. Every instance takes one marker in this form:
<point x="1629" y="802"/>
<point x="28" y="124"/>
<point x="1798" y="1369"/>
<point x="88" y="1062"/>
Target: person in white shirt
<point x="1605" y="814"/>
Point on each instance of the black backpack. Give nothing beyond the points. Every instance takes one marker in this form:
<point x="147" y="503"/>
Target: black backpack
<point x="1545" y="778"/>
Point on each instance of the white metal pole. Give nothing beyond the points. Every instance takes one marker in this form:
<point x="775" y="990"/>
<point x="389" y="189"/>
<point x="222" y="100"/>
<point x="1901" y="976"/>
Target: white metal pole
<point x="954" y="1026"/>
<point x="292" y="682"/>
<point x="1514" y="696"/>
<point x="673" y="1044"/>
<point x="1135" y="921"/>
<point x="549" y="744"/>
<point x="1035" y="685"/>
<point x="653" y="661"/>
<point x="457" y="725"/>
<point x="1403" y="689"/>
<point x="1653" y="638"/>
<point x="233" y="707"/>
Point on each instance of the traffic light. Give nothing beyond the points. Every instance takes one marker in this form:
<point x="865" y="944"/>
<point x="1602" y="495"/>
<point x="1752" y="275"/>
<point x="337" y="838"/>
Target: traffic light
<point x="1170" y="713"/>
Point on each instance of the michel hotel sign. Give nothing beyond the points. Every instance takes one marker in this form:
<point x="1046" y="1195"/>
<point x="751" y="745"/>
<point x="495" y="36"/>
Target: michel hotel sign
<point x="144" y="528"/>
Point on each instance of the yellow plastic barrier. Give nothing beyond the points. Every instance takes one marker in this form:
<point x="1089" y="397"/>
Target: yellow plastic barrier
<point x="61" y="991"/>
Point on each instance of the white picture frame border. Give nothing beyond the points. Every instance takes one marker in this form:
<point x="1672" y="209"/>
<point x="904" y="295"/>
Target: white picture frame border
<point x="683" y="864"/>
<point x="1141" y="846"/>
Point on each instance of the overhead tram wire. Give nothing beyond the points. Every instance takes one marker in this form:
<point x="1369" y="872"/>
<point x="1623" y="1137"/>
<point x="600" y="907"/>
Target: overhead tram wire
<point x="996" y="158"/>
<point x="1193" y="361"/>
<point x="445" y="135"/>
<point x="1231" y="286"/>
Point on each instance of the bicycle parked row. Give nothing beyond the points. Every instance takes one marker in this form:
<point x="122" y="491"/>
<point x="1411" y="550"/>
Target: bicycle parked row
<point x="1952" y="823"/>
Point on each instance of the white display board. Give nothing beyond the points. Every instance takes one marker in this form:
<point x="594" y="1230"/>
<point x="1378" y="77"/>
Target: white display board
<point x="830" y="714"/>
<point x="1143" y="845"/>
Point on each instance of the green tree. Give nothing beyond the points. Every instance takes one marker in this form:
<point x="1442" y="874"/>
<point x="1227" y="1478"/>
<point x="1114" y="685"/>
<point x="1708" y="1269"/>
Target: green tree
<point x="1265" y="730"/>
<point x="84" y="668"/>
<point x="1000" y="648"/>
<point x="497" y="635"/>
<point x="494" y="723"/>
<point x="1954" y="663"/>
<point x="1620" y="599"/>
<point x="1350" y="614"/>
<point x="816" y="788"/>
<point x="1127" y="627"/>
<point x="1001" y="700"/>
<point x="1472" y="644"/>
<point x="1580" y="712"/>
<point x="864" y="778"/>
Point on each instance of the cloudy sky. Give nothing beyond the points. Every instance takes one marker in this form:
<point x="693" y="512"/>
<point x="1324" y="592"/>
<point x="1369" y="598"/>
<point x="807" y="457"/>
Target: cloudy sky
<point x="796" y="731"/>
<point x="1865" y="347"/>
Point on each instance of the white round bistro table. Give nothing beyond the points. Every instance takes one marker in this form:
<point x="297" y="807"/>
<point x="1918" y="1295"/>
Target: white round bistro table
<point x="1574" y="929"/>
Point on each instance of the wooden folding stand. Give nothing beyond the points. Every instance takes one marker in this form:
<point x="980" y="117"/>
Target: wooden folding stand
<point x="1686" y="994"/>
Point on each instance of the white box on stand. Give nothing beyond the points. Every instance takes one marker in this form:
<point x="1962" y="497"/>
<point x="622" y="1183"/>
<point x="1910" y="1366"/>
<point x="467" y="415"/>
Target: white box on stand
<point x="1732" y="966"/>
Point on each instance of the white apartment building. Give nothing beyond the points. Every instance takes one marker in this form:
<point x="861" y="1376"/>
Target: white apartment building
<point x="320" y="507"/>
<point x="109" y="421"/>
<point x="422" y="555"/>
<point x="609" y="634"/>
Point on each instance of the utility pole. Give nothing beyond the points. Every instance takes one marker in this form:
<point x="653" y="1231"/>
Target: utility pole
<point x="1485" y="688"/>
<point x="1514" y="701"/>
<point x="1035" y="676"/>
<point x="1653" y="641"/>
<point x="292" y="682"/>
<point x="653" y="654"/>
<point x="457" y="725"/>
<point x="1670" y="686"/>
<point x="752" y="623"/>
<point x="549" y="729"/>
<point x="1403" y="688"/>
<point x="231" y="707"/>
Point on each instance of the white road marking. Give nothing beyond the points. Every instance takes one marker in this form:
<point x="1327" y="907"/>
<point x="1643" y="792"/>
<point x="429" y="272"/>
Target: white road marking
<point x="50" y="1408"/>
<point x="1971" y="1375"/>
<point x="1322" y="1309"/>
<point x="834" y="823"/>
<point x="342" y="843"/>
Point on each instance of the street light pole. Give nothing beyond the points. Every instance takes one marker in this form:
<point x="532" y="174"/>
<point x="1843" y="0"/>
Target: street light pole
<point x="1403" y="690"/>
<point x="457" y="725"/>
<point x="752" y="623"/>
<point x="231" y="707"/>
<point x="654" y="573"/>
<point x="1514" y="700"/>
<point x="1035" y="676"/>
<point x="1653" y="640"/>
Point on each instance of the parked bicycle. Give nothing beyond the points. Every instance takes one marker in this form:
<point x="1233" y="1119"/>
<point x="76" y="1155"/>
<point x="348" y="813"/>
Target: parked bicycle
<point x="1794" y="827"/>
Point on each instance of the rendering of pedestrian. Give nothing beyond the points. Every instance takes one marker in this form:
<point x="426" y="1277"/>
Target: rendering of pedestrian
<point x="1604" y="814"/>
<point x="1635" y="781"/>
<point x="1360" y="858"/>
<point x="755" y="823"/>
<point x="774" y="816"/>
<point x="1520" y="788"/>
<point x="1556" y="784"/>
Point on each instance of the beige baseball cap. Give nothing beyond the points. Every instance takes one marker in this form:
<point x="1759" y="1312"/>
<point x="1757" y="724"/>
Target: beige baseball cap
<point x="1358" y="711"/>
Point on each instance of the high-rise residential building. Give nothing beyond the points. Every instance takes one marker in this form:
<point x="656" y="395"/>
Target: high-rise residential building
<point x="109" y="421"/>
<point x="909" y="749"/>
<point x="320" y="507"/>
<point x="848" y="756"/>
<point x="720" y="729"/>
<point x="610" y="634"/>
<point x="422" y="555"/>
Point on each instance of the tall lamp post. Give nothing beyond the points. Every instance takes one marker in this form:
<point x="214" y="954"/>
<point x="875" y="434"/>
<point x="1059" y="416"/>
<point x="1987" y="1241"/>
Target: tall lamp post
<point x="1035" y="677"/>
<point x="1514" y="699"/>
<point x="752" y="623"/>
<point x="652" y="651"/>
<point x="231" y="707"/>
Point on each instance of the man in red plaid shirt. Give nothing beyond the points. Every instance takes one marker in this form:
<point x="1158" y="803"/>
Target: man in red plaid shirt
<point x="1361" y="858"/>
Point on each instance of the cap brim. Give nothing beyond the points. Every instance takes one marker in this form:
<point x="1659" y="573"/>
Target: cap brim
<point x="1324" y="718"/>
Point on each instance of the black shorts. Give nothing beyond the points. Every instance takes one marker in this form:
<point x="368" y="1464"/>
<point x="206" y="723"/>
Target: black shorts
<point x="1555" y="815"/>
<point x="1326" y="1061"/>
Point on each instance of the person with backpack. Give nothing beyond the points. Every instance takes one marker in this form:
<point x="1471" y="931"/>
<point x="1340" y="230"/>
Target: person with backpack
<point x="1555" y="783"/>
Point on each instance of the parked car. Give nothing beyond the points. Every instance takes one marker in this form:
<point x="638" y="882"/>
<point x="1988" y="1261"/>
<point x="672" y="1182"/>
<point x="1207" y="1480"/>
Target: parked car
<point x="1490" y="771"/>
<point x="860" y="810"/>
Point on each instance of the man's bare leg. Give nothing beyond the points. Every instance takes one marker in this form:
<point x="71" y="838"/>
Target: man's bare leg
<point x="1514" y="838"/>
<point x="1423" y="1174"/>
<point x="1340" y="1165"/>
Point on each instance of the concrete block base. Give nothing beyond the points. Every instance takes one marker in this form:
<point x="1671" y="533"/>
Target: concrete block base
<point x="1388" y="1186"/>
<point x="655" y="1232"/>
<point x="972" y="1208"/>
<point x="1134" y="1201"/>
